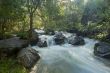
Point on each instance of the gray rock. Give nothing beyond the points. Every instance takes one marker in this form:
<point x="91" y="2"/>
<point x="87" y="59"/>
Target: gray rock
<point x="28" y="57"/>
<point x="12" y="46"/>
<point x="13" y="43"/>
<point x="59" y="38"/>
<point x="76" y="41"/>
<point x="42" y="44"/>
<point x="102" y="49"/>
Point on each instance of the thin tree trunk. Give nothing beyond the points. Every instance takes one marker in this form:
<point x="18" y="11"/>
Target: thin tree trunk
<point x="31" y="27"/>
<point x="3" y="29"/>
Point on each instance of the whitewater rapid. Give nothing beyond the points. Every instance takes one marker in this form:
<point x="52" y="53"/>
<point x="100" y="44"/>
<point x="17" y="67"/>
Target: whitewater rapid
<point x="69" y="59"/>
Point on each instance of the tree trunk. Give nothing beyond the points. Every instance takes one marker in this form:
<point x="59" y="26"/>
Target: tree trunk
<point x="2" y="33"/>
<point x="31" y="27"/>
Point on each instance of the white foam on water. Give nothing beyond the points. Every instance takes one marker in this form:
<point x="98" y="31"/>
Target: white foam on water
<point x="70" y="59"/>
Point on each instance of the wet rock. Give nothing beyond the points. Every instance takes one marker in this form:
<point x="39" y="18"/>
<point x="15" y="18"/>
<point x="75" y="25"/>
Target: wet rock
<point x="102" y="49"/>
<point x="12" y="46"/>
<point x="28" y="57"/>
<point x="42" y="41"/>
<point x="59" y="38"/>
<point x="42" y="44"/>
<point x="76" y="40"/>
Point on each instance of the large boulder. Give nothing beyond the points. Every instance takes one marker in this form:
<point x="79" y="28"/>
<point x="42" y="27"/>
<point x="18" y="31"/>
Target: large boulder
<point x="9" y="47"/>
<point x="28" y="57"/>
<point x="76" y="40"/>
<point x="102" y="49"/>
<point x="59" y="38"/>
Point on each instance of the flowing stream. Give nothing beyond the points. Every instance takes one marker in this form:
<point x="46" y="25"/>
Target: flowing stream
<point x="69" y="59"/>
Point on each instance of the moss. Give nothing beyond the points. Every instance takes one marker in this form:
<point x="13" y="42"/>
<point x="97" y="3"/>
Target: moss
<point x="10" y="65"/>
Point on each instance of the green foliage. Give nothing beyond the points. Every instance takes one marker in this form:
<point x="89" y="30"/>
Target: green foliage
<point x="11" y="13"/>
<point x="23" y="35"/>
<point x="20" y="15"/>
<point x="11" y="66"/>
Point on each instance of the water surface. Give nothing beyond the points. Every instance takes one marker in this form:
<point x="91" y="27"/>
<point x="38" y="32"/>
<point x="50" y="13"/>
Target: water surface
<point x="70" y="59"/>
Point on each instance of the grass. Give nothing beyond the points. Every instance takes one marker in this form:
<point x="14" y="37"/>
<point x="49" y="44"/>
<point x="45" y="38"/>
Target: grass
<point x="10" y="65"/>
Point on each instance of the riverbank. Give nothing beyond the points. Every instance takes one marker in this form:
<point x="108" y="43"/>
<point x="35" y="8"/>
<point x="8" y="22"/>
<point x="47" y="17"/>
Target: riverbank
<point x="73" y="52"/>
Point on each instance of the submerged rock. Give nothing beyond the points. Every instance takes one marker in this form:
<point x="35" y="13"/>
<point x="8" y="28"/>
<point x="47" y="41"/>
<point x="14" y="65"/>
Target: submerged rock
<point x="102" y="49"/>
<point x="28" y="57"/>
<point x="59" y="38"/>
<point x="77" y="40"/>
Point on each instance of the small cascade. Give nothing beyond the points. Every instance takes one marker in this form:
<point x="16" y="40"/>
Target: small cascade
<point x="48" y="39"/>
<point x="67" y="58"/>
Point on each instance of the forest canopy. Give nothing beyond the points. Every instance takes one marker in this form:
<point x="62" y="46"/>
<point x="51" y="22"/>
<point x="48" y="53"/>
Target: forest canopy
<point x="62" y="15"/>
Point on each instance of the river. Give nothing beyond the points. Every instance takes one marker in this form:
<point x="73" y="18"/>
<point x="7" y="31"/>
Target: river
<point x="69" y="59"/>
